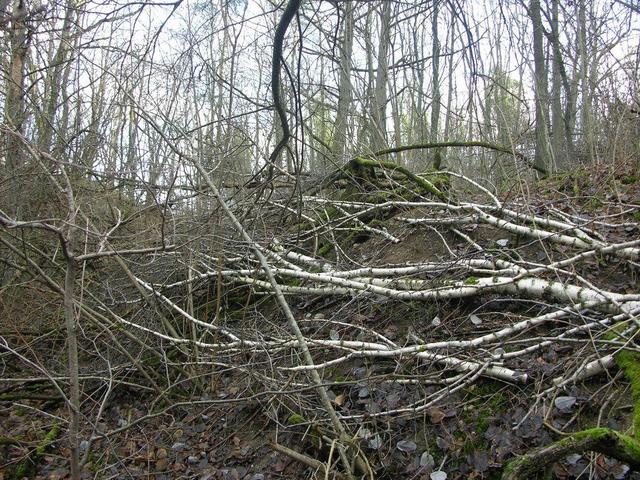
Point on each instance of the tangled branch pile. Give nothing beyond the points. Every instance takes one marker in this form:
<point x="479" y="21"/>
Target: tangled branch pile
<point x="390" y="305"/>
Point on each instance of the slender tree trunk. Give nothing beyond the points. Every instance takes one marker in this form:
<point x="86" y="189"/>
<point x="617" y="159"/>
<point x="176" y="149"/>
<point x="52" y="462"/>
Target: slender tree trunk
<point x="365" y="128"/>
<point x="435" y="78"/>
<point x="450" y="80"/>
<point x="543" y="154"/>
<point x="67" y="239"/>
<point x="587" y="105"/>
<point x="54" y="83"/>
<point x="14" y="109"/>
<point x="72" y="354"/>
<point x="345" y="95"/>
<point x="418" y="114"/>
<point x="382" y="77"/>
<point x="557" y="115"/>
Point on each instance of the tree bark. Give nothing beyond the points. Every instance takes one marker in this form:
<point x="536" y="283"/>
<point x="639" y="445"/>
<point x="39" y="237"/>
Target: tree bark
<point x="345" y="95"/>
<point x="379" y="129"/>
<point x="543" y="153"/>
<point x="557" y="116"/>
<point x="14" y="110"/>
<point x="435" y="78"/>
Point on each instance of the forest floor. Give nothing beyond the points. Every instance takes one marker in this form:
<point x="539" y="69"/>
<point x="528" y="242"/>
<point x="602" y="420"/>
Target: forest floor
<point x="469" y="434"/>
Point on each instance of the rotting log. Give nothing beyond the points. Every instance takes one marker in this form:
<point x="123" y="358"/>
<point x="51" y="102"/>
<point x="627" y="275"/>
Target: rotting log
<point x="610" y="442"/>
<point x="358" y="163"/>
<point x="342" y="172"/>
<point x="440" y="145"/>
<point x="602" y="440"/>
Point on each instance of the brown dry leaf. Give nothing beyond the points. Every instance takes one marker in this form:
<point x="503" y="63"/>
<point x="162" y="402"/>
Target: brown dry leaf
<point x="236" y="440"/>
<point x="161" y="453"/>
<point x="435" y="415"/>
<point x="132" y="447"/>
<point x="340" y="399"/>
<point x="162" y="464"/>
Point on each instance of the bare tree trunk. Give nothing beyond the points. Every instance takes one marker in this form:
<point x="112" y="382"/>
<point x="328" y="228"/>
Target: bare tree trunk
<point x="366" y="134"/>
<point x="435" y="78"/>
<point x="396" y="105"/>
<point x="67" y="240"/>
<point x="14" y="110"/>
<point x="587" y="105"/>
<point x="382" y="77"/>
<point x="557" y="115"/>
<point x="345" y="95"/>
<point x="72" y="354"/>
<point x="543" y="153"/>
<point x="450" y="80"/>
<point x="56" y="76"/>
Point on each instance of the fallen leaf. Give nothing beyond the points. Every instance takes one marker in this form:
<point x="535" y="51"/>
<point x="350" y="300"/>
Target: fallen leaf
<point x="426" y="460"/>
<point x="363" y="392"/>
<point x="564" y="404"/>
<point x="375" y="443"/>
<point x="435" y="415"/>
<point x="162" y="464"/>
<point x="573" y="458"/>
<point x="406" y="446"/>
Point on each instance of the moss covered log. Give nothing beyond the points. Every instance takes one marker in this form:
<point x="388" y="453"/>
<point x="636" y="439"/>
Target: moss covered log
<point x="610" y="442"/>
<point x="28" y="466"/>
<point x="440" y="145"/>
<point x="360" y="164"/>
<point x="602" y="440"/>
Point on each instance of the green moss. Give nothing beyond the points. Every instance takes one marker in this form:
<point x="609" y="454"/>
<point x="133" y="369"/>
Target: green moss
<point x="576" y="188"/>
<point x="294" y="282"/>
<point x="295" y="419"/>
<point x="595" y="203"/>
<point x="623" y="447"/>
<point x="48" y="439"/>
<point x="325" y="249"/>
<point x="28" y="466"/>
<point x="629" y="180"/>
<point x="489" y="400"/>
<point x="360" y="163"/>
<point x="441" y="180"/>
<point x="629" y="363"/>
<point x="471" y="281"/>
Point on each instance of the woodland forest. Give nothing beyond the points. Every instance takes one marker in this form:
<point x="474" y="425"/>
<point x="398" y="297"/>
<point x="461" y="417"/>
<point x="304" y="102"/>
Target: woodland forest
<point x="319" y="239"/>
